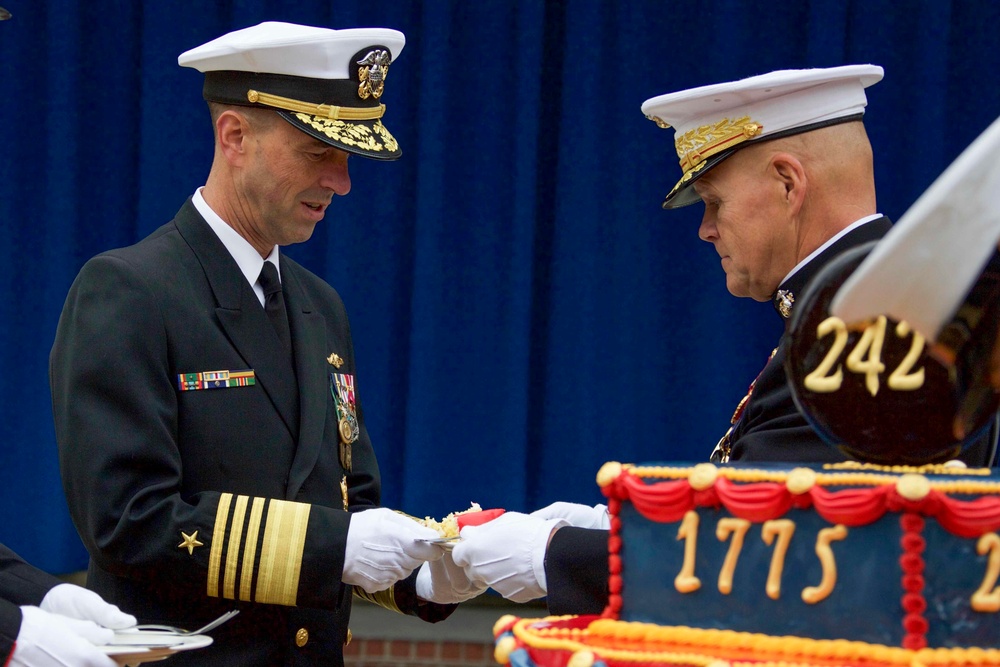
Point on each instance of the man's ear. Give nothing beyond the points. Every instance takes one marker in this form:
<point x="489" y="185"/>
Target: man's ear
<point x="232" y="130"/>
<point x="792" y="175"/>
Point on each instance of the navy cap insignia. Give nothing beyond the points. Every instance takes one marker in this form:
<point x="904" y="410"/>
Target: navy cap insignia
<point x="190" y="542"/>
<point x="372" y="73"/>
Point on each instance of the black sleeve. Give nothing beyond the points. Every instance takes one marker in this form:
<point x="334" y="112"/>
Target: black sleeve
<point x="576" y="571"/>
<point x="21" y="583"/>
<point x="410" y="604"/>
<point x="402" y="598"/>
<point x="10" y="626"/>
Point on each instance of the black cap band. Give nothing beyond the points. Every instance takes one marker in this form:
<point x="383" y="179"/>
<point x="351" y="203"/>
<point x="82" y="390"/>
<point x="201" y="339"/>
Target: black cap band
<point x="231" y="87"/>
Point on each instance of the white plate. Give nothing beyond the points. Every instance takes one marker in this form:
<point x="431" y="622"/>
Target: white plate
<point x="132" y="648"/>
<point x="445" y="542"/>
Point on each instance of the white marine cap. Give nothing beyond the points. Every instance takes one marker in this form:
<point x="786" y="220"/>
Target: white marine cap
<point x="712" y="122"/>
<point x="922" y="270"/>
<point x="327" y="83"/>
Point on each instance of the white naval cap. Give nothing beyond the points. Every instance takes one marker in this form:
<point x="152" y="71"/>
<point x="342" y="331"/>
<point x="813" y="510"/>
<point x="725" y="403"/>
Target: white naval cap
<point x="922" y="270"/>
<point x="712" y="122"/>
<point x="327" y="83"/>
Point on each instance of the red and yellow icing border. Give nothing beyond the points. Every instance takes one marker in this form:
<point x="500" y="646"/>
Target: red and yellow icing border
<point x="620" y="643"/>
<point x="761" y="495"/>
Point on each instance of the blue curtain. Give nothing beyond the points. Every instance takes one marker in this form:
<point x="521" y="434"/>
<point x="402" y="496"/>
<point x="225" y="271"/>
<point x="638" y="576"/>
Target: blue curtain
<point x="522" y="308"/>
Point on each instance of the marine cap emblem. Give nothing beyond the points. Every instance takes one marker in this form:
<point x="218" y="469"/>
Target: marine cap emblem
<point x="372" y="73"/>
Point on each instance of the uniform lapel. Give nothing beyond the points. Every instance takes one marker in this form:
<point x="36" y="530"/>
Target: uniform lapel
<point x="798" y="283"/>
<point x="308" y="340"/>
<point x="242" y="318"/>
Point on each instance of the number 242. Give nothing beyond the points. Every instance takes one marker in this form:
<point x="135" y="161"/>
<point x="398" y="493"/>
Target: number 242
<point x="866" y="358"/>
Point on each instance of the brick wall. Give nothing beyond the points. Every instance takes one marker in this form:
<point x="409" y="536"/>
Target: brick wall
<point x="417" y="653"/>
<point x="465" y="639"/>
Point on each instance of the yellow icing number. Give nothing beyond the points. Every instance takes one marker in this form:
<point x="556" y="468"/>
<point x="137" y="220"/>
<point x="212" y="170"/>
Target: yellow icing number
<point x="814" y="594"/>
<point x="738" y="529"/>
<point x="865" y="359"/>
<point x="987" y="598"/>
<point x="783" y="529"/>
<point x="820" y="380"/>
<point x="902" y="379"/>
<point x="686" y="582"/>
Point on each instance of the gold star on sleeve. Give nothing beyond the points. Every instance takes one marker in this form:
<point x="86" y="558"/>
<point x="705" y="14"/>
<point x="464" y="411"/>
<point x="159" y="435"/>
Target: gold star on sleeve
<point x="190" y="542"/>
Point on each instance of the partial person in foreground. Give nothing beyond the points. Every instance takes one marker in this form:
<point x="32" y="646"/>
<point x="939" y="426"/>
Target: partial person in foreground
<point x="784" y="168"/>
<point x="45" y="622"/>
<point x="212" y="445"/>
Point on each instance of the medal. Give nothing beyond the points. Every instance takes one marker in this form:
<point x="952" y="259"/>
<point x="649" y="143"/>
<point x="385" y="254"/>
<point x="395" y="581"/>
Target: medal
<point x="346" y="431"/>
<point x="345" y="456"/>
<point x="342" y="390"/>
<point x="343" y="490"/>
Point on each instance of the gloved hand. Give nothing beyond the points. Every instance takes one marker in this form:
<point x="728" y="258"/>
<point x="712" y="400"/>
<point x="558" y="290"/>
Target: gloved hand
<point x="52" y="640"/>
<point x="78" y="602"/>
<point x="383" y="547"/>
<point x="576" y="515"/>
<point x="508" y="554"/>
<point x="444" y="582"/>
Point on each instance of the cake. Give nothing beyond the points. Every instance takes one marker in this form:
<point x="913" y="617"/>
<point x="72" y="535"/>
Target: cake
<point x="840" y="564"/>
<point x="450" y="526"/>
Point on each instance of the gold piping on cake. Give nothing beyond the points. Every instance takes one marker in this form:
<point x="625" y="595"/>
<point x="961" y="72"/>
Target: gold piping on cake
<point x="783" y="529"/>
<point x="701" y="647"/>
<point x="685" y="581"/>
<point x="814" y="594"/>
<point x="737" y="528"/>
<point x="832" y="478"/>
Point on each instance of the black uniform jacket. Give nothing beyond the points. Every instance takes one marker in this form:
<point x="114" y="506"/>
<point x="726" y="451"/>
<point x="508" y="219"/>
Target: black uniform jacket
<point x="20" y="584"/>
<point x="192" y="502"/>
<point x="772" y="429"/>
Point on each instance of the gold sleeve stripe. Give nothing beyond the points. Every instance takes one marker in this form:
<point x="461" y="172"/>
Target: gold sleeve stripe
<point x="250" y="548"/>
<point x="233" y="548"/>
<point x="385" y="599"/>
<point x="218" y="540"/>
<point x="281" y="553"/>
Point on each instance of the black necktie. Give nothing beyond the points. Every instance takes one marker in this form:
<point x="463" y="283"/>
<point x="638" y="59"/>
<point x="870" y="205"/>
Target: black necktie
<point x="274" y="304"/>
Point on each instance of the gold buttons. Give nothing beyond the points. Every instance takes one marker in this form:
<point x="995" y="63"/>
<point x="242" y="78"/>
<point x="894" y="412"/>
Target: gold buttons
<point x="301" y="637"/>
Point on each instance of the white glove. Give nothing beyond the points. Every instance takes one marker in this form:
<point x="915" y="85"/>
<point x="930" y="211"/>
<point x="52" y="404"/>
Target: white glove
<point x="383" y="547"/>
<point x="85" y="605"/>
<point x="576" y="515"/>
<point x="51" y="640"/>
<point x="444" y="582"/>
<point x="508" y="554"/>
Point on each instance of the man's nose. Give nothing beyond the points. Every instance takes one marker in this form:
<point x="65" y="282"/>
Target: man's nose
<point x="707" y="230"/>
<point x="336" y="175"/>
